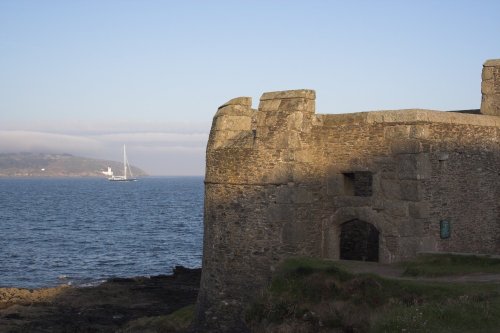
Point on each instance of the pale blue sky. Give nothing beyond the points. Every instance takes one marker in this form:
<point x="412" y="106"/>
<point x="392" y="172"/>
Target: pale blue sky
<point x="83" y="77"/>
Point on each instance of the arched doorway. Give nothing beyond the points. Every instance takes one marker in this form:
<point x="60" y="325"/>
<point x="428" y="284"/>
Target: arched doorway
<point x="358" y="241"/>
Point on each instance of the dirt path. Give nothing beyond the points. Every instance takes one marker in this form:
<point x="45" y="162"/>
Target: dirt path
<point x="395" y="271"/>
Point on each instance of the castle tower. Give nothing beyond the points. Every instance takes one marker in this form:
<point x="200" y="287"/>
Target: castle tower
<point x="490" y="88"/>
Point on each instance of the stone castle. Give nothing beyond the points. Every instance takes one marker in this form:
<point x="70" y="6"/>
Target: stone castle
<point x="283" y="181"/>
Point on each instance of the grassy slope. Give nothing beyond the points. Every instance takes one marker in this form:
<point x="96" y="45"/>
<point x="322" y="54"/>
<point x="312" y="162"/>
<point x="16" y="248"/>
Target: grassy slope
<point x="316" y="296"/>
<point x="177" y="321"/>
<point x="431" y="265"/>
<point x="311" y="295"/>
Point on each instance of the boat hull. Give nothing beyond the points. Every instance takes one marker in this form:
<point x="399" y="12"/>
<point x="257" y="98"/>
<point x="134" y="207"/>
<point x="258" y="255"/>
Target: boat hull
<point x="123" y="180"/>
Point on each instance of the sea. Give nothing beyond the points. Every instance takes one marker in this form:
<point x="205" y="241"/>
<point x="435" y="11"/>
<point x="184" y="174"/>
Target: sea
<point x="83" y="231"/>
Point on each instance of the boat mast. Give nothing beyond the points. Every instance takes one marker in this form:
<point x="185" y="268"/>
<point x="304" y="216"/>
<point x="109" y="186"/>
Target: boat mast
<point x="124" y="163"/>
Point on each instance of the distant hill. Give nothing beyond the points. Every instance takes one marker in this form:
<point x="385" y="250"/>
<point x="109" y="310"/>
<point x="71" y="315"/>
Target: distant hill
<point x="57" y="165"/>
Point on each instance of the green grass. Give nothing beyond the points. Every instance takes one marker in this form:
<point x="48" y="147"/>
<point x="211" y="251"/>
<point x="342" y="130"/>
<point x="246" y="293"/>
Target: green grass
<point x="310" y="295"/>
<point x="434" y="265"/>
<point x="177" y="321"/>
<point x="464" y="314"/>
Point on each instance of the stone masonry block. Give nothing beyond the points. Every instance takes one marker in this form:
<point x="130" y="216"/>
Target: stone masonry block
<point x="269" y="105"/>
<point x="490" y="105"/>
<point x="494" y="105"/>
<point x="408" y="227"/>
<point x="396" y="208"/>
<point x="408" y="247"/>
<point x="233" y="123"/>
<point x="390" y="188"/>
<point x="414" y="166"/>
<point x="234" y="110"/>
<point x="388" y="175"/>
<point x="280" y="140"/>
<point x="488" y="73"/>
<point x="292" y="104"/>
<point x="284" y="195"/>
<point x="280" y="174"/>
<point x="303" y="155"/>
<point x="488" y="87"/>
<point x="291" y="234"/>
<point x="335" y="184"/>
<point x="271" y="119"/>
<point x="352" y="201"/>
<point x="294" y="140"/>
<point x="280" y="212"/>
<point x="419" y="131"/>
<point x="301" y="196"/>
<point x="227" y="138"/>
<point x="300" y="172"/>
<point x="419" y="210"/>
<point x="397" y="132"/>
<point x="428" y="244"/>
<point x="295" y="121"/>
<point x="302" y="93"/>
<point x="411" y="190"/>
<point x="406" y="146"/>
<point x="391" y="243"/>
<point x="245" y="101"/>
<point x="492" y="63"/>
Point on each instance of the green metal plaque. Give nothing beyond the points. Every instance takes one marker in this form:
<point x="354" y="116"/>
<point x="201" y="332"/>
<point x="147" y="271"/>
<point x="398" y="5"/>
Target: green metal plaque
<point x="445" y="229"/>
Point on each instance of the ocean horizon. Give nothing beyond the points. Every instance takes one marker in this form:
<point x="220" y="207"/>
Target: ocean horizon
<point x="84" y="230"/>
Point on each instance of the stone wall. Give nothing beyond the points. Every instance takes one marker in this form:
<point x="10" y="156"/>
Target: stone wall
<point x="282" y="181"/>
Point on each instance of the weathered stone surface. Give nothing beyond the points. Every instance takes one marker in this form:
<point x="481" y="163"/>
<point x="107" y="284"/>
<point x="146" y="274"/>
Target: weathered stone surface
<point x="428" y="244"/>
<point x="335" y="184"/>
<point x="269" y="105"/>
<point x="419" y="132"/>
<point x="302" y="93"/>
<point x="396" y="208"/>
<point x="233" y="123"/>
<point x="234" y="110"/>
<point x="406" y="146"/>
<point x="414" y="166"/>
<point x="391" y="188"/>
<point x="282" y="182"/>
<point x="488" y="73"/>
<point x="490" y="88"/>
<point x="244" y="101"/>
<point x="411" y="190"/>
<point x="397" y="132"/>
<point x="492" y="63"/>
<point x="419" y="210"/>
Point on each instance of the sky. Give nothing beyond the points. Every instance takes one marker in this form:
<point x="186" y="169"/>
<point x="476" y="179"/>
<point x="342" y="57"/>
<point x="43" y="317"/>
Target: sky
<point x="86" y="77"/>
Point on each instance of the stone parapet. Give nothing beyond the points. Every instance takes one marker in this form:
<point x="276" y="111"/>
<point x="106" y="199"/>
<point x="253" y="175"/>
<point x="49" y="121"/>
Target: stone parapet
<point x="286" y="94"/>
<point x="408" y="116"/>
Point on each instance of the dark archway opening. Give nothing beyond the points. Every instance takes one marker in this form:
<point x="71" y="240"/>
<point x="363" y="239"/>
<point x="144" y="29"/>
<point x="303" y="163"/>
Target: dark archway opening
<point x="358" y="241"/>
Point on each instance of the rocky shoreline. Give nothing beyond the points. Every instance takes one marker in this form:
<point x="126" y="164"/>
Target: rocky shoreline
<point x="107" y="307"/>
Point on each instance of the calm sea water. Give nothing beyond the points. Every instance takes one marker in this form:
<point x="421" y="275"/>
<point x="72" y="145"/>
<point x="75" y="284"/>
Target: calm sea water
<point x="84" y="230"/>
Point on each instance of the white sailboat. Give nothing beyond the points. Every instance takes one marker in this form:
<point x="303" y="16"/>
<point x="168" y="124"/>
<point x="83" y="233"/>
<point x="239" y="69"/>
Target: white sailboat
<point x="126" y="171"/>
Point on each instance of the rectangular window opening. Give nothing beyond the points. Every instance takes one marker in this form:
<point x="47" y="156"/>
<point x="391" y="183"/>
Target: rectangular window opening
<point x="358" y="183"/>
